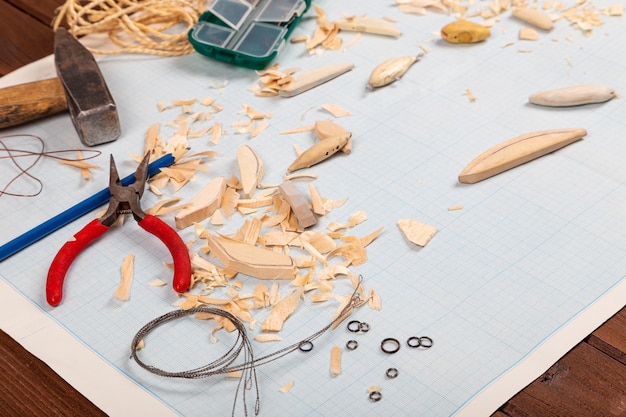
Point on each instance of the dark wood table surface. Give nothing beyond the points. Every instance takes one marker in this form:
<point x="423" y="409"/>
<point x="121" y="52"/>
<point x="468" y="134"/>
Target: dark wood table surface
<point x="590" y="380"/>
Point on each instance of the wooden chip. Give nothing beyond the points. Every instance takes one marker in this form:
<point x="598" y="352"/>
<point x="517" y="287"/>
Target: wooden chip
<point x="417" y="232"/>
<point x="374" y="300"/>
<point x="335" y="361"/>
<point x="157" y="283"/>
<point x="122" y="292"/>
<point x="281" y="311"/>
<point x="267" y="337"/>
<point x="528" y="34"/>
<point x="335" y="110"/>
<point x="216" y="133"/>
<point x="287" y="387"/>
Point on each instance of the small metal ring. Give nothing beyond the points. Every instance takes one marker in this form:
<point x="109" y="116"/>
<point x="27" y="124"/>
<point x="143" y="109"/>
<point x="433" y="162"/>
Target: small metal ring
<point x="352" y="344"/>
<point x="306" y="346"/>
<point x="392" y="373"/>
<point x="364" y="327"/>
<point x="354" y="326"/>
<point x="420" y="341"/>
<point x="375" y="396"/>
<point x="428" y="340"/>
<point x="390" y="341"/>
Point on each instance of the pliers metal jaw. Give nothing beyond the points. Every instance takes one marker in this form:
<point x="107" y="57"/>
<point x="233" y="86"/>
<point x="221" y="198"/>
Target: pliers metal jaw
<point x="124" y="200"/>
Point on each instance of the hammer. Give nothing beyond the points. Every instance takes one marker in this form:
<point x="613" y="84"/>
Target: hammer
<point x="79" y="88"/>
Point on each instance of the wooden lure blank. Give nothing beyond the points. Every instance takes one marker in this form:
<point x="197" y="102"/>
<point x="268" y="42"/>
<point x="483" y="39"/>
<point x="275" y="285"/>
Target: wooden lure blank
<point x="575" y="95"/>
<point x="320" y="151"/>
<point x="391" y="70"/>
<point x="518" y="151"/>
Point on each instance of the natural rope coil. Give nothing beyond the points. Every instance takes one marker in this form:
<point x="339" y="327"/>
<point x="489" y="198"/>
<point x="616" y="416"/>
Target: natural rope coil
<point x="156" y="27"/>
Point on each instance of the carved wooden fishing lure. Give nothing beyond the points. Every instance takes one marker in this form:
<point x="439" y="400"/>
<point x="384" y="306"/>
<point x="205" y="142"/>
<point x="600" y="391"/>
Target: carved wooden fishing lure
<point x="518" y="151"/>
<point x="320" y="151"/>
<point x="464" y="31"/>
<point x="575" y="95"/>
<point x="391" y="70"/>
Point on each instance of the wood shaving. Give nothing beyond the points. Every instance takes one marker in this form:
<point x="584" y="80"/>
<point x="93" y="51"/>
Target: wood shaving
<point x="264" y="338"/>
<point x="122" y="292"/>
<point x="417" y="232"/>
<point x="81" y="164"/>
<point x="335" y="361"/>
<point x="281" y="311"/>
<point x="287" y="387"/>
<point x="335" y="110"/>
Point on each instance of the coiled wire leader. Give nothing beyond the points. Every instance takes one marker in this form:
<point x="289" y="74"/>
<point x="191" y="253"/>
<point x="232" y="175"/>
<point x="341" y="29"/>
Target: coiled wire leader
<point x="224" y="364"/>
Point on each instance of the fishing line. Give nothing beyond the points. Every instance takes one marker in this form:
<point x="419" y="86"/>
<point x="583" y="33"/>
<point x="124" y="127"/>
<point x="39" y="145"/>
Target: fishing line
<point x="14" y="154"/>
<point x="225" y="363"/>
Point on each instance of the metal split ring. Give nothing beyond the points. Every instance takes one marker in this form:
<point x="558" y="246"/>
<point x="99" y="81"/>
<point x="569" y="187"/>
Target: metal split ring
<point x="352" y="344"/>
<point x="375" y="396"/>
<point x="392" y="373"/>
<point x="305" y="346"/>
<point x="419" y="341"/>
<point x="356" y="326"/>
<point x="390" y="345"/>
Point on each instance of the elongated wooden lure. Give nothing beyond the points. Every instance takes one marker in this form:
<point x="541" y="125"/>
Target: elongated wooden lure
<point x="464" y="31"/>
<point x="312" y="78"/>
<point x="517" y="151"/>
<point x="575" y="95"/>
<point x="367" y="25"/>
<point x="320" y="151"/>
<point x="391" y="70"/>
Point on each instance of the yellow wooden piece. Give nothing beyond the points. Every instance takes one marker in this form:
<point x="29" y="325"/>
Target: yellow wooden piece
<point x="517" y="151"/>
<point x="464" y="31"/>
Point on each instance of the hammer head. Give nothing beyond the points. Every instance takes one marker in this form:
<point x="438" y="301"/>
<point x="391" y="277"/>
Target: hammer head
<point x="89" y="101"/>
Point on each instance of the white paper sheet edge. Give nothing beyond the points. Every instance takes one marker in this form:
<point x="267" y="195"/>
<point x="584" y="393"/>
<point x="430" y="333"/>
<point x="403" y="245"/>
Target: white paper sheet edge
<point x="101" y="383"/>
<point x="539" y="360"/>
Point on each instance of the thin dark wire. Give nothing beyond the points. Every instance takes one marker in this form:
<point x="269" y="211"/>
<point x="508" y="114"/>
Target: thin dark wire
<point x="13" y="154"/>
<point x="222" y="365"/>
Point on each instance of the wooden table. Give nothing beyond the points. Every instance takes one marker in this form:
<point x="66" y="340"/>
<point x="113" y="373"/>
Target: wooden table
<point x="590" y="380"/>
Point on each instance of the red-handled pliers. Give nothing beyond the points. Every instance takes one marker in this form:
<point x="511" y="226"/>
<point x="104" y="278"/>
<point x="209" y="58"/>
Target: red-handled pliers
<point x="124" y="200"/>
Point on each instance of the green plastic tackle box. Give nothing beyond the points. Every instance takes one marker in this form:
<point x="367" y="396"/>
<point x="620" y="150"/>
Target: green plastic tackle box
<point x="246" y="33"/>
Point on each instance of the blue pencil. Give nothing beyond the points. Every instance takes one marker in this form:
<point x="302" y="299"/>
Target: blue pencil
<point x="74" y="212"/>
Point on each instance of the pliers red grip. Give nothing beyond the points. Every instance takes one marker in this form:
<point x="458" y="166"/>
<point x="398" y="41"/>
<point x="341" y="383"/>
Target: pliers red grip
<point x="123" y="200"/>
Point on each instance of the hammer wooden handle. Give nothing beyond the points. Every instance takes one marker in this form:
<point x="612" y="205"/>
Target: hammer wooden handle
<point x="30" y="101"/>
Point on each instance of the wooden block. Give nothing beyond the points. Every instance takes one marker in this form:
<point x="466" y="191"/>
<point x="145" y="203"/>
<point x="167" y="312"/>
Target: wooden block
<point x="252" y="260"/>
<point x="298" y="204"/>
<point x="203" y="205"/>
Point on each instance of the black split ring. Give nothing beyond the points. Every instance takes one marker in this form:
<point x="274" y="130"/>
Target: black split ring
<point x="305" y="346"/>
<point x="364" y="327"/>
<point x="391" y="373"/>
<point x="352" y="344"/>
<point x="375" y="396"/>
<point x="390" y="341"/>
<point x="354" y="326"/>
<point x="420" y="341"/>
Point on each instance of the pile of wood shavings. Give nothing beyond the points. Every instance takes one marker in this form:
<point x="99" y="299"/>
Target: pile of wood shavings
<point x="583" y="15"/>
<point x="322" y="258"/>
